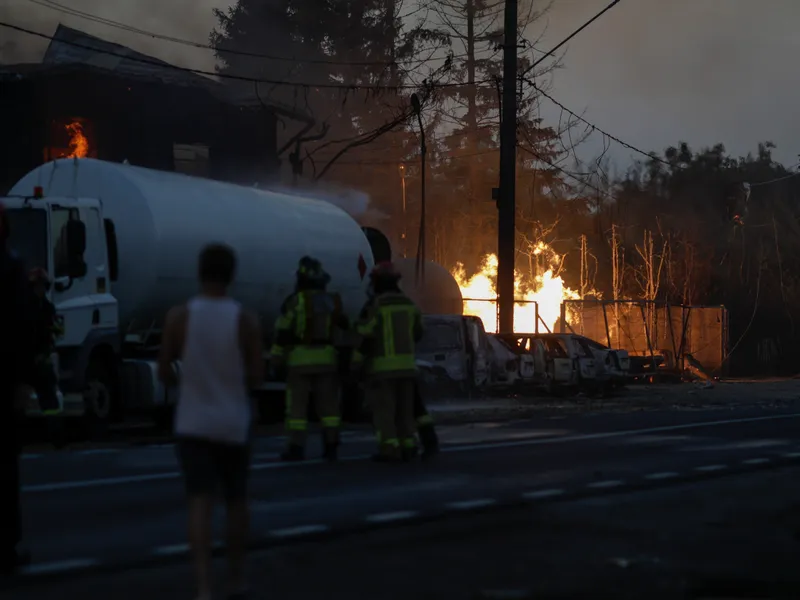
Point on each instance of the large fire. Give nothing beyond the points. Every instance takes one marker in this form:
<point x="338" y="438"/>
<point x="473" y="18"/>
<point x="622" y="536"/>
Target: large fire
<point x="547" y="289"/>
<point x="78" y="144"/>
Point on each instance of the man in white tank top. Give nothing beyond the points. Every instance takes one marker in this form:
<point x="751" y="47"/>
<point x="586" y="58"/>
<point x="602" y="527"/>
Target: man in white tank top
<point x="220" y="348"/>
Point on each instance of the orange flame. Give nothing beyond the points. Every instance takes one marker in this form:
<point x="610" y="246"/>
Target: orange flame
<point x="78" y="144"/>
<point x="546" y="289"/>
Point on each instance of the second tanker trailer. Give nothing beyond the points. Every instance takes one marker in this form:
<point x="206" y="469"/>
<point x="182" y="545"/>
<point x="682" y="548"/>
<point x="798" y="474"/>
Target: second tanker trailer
<point x="121" y="244"/>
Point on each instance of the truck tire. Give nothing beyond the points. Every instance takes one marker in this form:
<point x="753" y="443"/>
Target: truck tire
<point x="98" y="399"/>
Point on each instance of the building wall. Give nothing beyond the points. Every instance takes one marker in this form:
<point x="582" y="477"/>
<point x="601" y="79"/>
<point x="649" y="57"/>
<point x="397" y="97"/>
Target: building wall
<point x="140" y="123"/>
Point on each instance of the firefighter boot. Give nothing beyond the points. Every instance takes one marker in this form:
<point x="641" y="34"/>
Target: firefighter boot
<point x="293" y="453"/>
<point x="429" y="440"/>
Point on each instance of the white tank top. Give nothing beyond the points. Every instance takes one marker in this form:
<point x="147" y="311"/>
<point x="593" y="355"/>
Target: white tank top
<point x="213" y="402"/>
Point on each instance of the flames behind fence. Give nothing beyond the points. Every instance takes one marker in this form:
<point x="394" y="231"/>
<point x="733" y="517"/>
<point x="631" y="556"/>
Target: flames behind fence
<point x="668" y="330"/>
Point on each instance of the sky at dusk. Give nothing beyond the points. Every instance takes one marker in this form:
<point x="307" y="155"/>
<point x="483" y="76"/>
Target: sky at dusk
<point x="652" y="72"/>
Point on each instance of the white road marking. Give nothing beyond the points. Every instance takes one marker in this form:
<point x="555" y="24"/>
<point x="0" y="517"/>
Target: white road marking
<point x="740" y="445"/>
<point x="600" y="485"/>
<point x="98" y="451"/>
<point x="711" y="468"/>
<point x="298" y="531"/>
<point x="470" y="504"/>
<point x="176" y="549"/>
<point x="30" y="456"/>
<point x="110" y="481"/>
<point x="661" y="476"/>
<point x="657" y="439"/>
<point x="583" y="437"/>
<point x="541" y="494"/>
<point x="755" y="461"/>
<point x="59" y="566"/>
<point x="391" y="516"/>
<point x="172" y="550"/>
<point x="792" y="455"/>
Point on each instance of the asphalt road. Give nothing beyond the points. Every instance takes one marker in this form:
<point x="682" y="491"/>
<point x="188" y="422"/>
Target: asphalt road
<point x="122" y="506"/>
<point x="724" y="537"/>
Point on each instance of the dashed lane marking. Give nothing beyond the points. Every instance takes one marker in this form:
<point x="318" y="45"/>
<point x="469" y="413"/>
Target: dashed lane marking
<point x="97" y="451"/>
<point x="171" y="550"/>
<point x="661" y="476"/>
<point x="472" y="504"/>
<point x="60" y="566"/>
<point x="399" y="515"/>
<point x="602" y="485"/>
<point x="111" y="481"/>
<point x="792" y="455"/>
<point x="756" y="461"/>
<point x="30" y="456"/>
<point x="710" y="468"/>
<point x="298" y="531"/>
<point x="542" y="494"/>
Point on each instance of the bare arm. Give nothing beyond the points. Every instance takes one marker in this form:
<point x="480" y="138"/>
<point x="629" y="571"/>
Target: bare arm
<point x="252" y="346"/>
<point x="172" y="339"/>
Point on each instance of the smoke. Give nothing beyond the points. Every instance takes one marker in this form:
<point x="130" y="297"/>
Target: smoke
<point x="185" y="19"/>
<point x="355" y="203"/>
<point x="704" y="71"/>
<point x="651" y="71"/>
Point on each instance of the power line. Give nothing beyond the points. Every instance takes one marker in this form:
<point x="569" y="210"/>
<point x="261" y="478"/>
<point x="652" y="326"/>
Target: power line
<point x="157" y="63"/>
<point x="193" y="44"/>
<point x="777" y="179"/>
<point x="550" y="52"/>
<point x="594" y="127"/>
<point x="563" y="171"/>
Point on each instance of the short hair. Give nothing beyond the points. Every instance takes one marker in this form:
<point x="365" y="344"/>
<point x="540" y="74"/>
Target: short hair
<point x="217" y="264"/>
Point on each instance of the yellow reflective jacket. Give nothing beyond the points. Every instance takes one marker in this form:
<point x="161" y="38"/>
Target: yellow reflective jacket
<point x="390" y="327"/>
<point x="307" y="331"/>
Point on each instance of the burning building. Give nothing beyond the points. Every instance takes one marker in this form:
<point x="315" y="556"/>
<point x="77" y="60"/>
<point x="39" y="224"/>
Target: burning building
<point x="92" y="98"/>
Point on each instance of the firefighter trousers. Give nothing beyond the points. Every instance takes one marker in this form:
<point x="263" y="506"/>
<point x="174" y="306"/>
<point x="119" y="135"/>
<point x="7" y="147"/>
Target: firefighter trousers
<point x="392" y="404"/>
<point x="324" y="389"/>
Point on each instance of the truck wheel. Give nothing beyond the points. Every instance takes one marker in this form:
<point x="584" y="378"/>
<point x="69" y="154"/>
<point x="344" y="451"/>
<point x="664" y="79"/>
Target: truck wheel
<point x="98" y="399"/>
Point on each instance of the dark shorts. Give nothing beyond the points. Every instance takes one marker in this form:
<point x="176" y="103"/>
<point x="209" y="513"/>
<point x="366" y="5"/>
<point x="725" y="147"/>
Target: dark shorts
<point x="212" y="467"/>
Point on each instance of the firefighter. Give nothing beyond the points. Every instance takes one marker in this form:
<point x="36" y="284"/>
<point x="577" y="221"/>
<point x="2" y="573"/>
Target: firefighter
<point x="307" y="335"/>
<point x="426" y="428"/>
<point x="16" y="372"/>
<point x="389" y="329"/>
<point x="47" y="330"/>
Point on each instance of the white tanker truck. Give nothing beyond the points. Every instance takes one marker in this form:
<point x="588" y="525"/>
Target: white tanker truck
<point x="121" y="244"/>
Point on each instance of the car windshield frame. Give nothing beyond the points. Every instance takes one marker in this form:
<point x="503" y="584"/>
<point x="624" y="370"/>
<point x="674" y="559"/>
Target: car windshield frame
<point x="430" y="343"/>
<point x="29" y="236"/>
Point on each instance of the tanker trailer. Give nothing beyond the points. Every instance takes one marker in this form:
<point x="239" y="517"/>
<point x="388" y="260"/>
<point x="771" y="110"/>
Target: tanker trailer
<point x="121" y="244"/>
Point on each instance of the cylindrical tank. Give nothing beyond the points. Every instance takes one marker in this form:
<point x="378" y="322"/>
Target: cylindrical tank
<point x="163" y="220"/>
<point x="436" y="294"/>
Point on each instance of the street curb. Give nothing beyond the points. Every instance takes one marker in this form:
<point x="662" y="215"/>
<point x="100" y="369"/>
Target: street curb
<point x="167" y="556"/>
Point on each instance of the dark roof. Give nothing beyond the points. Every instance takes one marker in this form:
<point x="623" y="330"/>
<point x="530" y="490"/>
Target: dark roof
<point x="73" y="48"/>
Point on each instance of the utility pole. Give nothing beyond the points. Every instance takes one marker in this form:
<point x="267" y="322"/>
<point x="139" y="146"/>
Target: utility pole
<point x="506" y="226"/>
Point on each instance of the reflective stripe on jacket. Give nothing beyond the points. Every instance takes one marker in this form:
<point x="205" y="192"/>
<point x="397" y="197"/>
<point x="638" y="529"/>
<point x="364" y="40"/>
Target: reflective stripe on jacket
<point x="390" y="327"/>
<point x="306" y="331"/>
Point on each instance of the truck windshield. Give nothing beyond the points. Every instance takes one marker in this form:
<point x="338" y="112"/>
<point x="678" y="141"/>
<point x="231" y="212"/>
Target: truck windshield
<point x="28" y="239"/>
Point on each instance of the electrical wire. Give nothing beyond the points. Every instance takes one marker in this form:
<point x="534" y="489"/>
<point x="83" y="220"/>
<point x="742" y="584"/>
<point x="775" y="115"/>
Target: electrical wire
<point x="563" y="171"/>
<point x="157" y="63"/>
<point x="777" y="179"/>
<point x="629" y="146"/>
<point x="193" y="44"/>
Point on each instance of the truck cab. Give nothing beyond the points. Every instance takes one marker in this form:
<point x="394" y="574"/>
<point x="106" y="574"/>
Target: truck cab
<point x="69" y="238"/>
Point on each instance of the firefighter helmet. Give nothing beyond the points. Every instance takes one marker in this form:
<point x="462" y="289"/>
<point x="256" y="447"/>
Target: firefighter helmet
<point x="310" y="270"/>
<point x="385" y="270"/>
